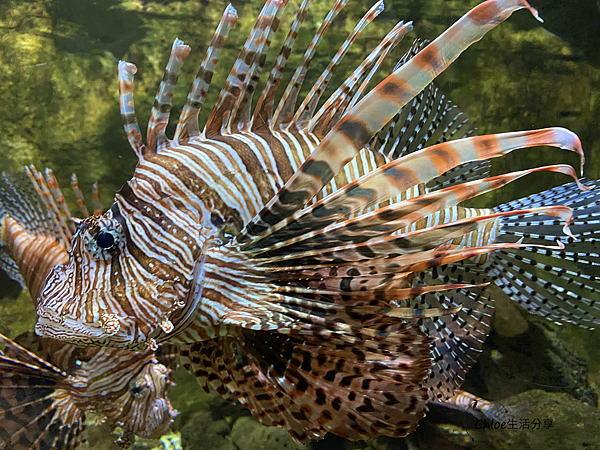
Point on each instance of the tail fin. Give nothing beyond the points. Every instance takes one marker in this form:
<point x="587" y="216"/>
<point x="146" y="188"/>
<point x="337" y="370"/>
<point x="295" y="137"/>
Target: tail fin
<point x="37" y="409"/>
<point x="560" y="284"/>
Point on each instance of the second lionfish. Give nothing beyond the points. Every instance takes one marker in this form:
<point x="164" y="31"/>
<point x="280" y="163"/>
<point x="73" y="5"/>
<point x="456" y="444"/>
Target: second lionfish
<point x="48" y="386"/>
<point x="316" y="264"/>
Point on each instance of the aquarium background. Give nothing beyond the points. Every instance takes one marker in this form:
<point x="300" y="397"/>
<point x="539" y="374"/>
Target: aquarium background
<point x="59" y="108"/>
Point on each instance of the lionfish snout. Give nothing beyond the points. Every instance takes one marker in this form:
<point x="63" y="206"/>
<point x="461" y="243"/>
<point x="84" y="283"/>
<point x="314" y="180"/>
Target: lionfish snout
<point x="152" y="410"/>
<point x="52" y="324"/>
<point x="63" y="315"/>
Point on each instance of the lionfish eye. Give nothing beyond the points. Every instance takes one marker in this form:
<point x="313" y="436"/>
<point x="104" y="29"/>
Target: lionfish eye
<point x="105" y="240"/>
<point x="136" y="388"/>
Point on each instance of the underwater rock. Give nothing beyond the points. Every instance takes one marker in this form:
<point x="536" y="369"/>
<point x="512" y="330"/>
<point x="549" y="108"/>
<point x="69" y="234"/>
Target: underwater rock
<point x="203" y="432"/>
<point x="565" y="422"/>
<point x="536" y="359"/>
<point x="540" y="420"/>
<point x="249" y="434"/>
<point x="508" y="318"/>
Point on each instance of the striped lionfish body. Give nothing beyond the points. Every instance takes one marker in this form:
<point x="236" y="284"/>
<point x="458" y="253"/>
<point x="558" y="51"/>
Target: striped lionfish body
<point x="316" y="263"/>
<point x="46" y="386"/>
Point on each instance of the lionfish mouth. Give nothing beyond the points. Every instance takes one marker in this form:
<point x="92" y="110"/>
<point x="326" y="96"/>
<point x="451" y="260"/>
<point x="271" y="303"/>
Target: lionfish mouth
<point x="161" y="415"/>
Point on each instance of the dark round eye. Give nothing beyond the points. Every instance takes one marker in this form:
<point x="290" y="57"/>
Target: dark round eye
<point x="105" y="240"/>
<point x="136" y="390"/>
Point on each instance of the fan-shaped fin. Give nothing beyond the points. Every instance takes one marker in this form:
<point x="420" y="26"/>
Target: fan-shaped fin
<point x="459" y="337"/>
<point x="561" y="284"/>
<point x="358" y="126"/>
<point x="9" y="266"/>
<point x="37" y="407"/>
<point x="312" y="389"/>
<point x="24" y="202"/>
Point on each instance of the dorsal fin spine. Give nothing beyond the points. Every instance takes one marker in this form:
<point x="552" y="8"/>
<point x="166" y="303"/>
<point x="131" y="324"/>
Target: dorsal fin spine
<point x="240" y="115"/>
<point x="310" y="102"/>
<point x="130" y="123"/>
<point x="188" y="120"/>
<point x="322" y="121"/>
<point x="159" y="118"/>
<point x="79" y="196"/>
<point x="264" y="107"/>
<point x="40" y="185"/>
<point x="285" y="109"/>
<point x="60" y="200"/>
<point x="96" y="201"/>
<point x="219" y="115"/>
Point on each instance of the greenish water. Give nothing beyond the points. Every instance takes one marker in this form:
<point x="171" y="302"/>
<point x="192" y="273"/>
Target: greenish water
<point x="59" y="108"/>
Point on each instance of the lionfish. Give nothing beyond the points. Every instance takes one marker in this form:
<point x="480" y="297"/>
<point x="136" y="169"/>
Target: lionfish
<point x="46" y="386"/>
<point x="316" y="263"/>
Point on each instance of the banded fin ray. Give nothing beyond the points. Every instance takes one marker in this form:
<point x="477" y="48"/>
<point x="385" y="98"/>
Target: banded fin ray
<point x="386" y="220"/>
<point x="367" y="117"/>
<point x="411" y="242"/>
<point x="236" y="85"/>
<point x="399" y="175"/>
<point x="310" y="102"/>
<point x="264" y="107"/>
<point x="159" y="117"/>
<point x="562" y="285"/>
<point x="188" y="120"/>
<point x="241" y="112"/>
<point x="459" y="337"/>
<point x="285" y="108"/>
<point x="321" y="122"/>
<point x="38" y="410"/>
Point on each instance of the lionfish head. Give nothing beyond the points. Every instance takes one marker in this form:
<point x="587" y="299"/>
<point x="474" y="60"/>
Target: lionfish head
<point x="116" y="289"/>
<point x="149" y="412"/>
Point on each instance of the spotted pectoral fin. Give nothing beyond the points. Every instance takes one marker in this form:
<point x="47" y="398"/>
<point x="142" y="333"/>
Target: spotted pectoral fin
<point x="311" y="388"/>
<point x="37" y="407"/>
